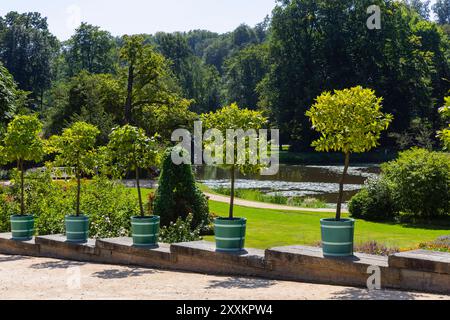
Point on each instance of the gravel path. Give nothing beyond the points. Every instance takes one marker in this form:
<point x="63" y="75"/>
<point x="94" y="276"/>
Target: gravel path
<point x="41" y="278"/>
<point x="262" y="205"/>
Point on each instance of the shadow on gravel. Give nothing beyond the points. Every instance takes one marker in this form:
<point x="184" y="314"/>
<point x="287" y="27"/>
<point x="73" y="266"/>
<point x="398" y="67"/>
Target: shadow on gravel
<point x="12" y="258"/>
<point x="122" y="274"/>
<point x="360" y="294"/>
<point x="241" y="283"/>
<point x="57" y="265"/>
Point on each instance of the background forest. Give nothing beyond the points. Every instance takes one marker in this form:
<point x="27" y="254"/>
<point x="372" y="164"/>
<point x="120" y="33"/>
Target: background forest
<point x="163" y="81"/>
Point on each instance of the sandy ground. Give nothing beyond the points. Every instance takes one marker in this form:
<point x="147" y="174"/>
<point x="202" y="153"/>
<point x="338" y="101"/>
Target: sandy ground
<point x="38" y="278"/>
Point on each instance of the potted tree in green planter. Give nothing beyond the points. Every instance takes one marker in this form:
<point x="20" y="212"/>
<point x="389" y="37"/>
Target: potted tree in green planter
<point x="76" y="148"/>
<point x="349" y="121"/>
<point x="22" y="142"/>
<point x="230" y="232"/>
<point x="129" y="148"/>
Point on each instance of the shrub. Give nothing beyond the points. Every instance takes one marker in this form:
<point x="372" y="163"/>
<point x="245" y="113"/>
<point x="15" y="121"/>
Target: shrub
<point x="374" y="202"/>
<point x="442" y="244"/>
<point x="180" y="231"/>
<point x="373" y="247"/>
<point x="108" y="205"/>
<point x="420" y="182"/>
<point x="178" y="195"/>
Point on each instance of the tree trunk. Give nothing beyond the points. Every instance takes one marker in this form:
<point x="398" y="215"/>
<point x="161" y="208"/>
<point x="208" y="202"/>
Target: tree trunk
<point x="341" y="187"/>
<point x="141" y="206"/>
<point x="128" y="103"/>
<point x="78" y="194"/>
<point x="233" y="178"/>
<point x="22" y="201"/>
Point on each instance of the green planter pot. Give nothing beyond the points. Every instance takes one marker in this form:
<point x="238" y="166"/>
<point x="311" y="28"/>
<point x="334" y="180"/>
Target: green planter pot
<point x="22" y="227"/>
<point x="77" y="229"/>
<point x="145" y="231"/>
<point x="230" y="234"/>
<point x="337" y="237"/>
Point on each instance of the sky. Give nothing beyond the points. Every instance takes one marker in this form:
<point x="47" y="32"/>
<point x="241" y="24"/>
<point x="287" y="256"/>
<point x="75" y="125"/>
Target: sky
<point x="144" y="16"/>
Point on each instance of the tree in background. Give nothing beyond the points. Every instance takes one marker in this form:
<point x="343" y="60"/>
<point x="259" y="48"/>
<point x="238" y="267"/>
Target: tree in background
<point x="22" y="142"/>
<point x="408" y="57"/>
<point x="178" y="195"/>
<point x="76" y="148"/>
<point x="90" y="49"/>
<point x="27" y="49"/>
<point x="244" y="70"/>
<point x="9" y="97"/>
<point x="442" y="10"/>
<point x="445" y="133"/>
<point x="349" y="121"/>
<point x="422" y="7"/>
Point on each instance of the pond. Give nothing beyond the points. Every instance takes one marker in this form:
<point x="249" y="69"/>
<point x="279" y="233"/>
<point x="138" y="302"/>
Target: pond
<point x="294" y="180"/>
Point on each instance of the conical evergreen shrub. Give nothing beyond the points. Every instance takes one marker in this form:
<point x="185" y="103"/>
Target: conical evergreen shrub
<point x="178" y="195"/>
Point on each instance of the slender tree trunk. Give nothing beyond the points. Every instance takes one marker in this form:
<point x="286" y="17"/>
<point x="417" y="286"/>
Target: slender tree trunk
<point x="78" y="194"/>
<point x="141" y="206"/>
<point x="22" y="201"/>
<point x="341" y="187"/>
<point x="233" y="178"/>
<point x="128" y="103"/>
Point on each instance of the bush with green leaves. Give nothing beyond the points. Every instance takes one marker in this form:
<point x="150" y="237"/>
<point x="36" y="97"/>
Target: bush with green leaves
<point x="109" y="205"/>
<point x="421" y="182"/>
<point x="374" y="202"/>
<point x="178" y="195"/>
<point x="180" y="231"/>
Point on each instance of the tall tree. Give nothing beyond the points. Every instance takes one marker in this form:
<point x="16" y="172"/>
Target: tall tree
<point x="244" y="70"/>
<point x="91" y="49"/>
<point x="27" y="48"/>
<point x="442" y="10"/>
<point x="422" y="7"/>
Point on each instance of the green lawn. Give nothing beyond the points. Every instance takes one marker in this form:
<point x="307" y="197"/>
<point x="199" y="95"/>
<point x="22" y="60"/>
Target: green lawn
<point x="270" y="228"/>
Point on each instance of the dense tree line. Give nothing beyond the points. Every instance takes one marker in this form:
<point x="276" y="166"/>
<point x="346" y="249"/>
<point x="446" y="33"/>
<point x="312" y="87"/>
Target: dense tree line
<point x="163" y="81"/>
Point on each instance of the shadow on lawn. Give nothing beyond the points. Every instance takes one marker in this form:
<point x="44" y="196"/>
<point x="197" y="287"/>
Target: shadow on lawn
<point x="360" y="294"/>
<point x="240" y="283"/>
<point x="122" y="273"/>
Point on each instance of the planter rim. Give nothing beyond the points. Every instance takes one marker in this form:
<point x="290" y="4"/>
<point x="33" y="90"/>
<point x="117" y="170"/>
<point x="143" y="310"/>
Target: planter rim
<point x="230" y="220"/>
<point x="22" y="216"/>
<point x="333" y="220"/>
<point x="145" y="218"/>
<point x="81" y="217"/>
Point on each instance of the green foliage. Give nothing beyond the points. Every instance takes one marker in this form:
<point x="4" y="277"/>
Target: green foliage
<point x="27" y="49"/>
<point x="374" y="202"/>
<point x="421" y="182"/>
<point x="76" y="148"/>
<point x="444" y="135"/>
<point x="8" y="95"/>
<point x="108" y="205"/>
<point x="180" y="231"/>
<point x="129" y="148"/>
<point x="22" y="140"/>
<point x="442" y="10"/>
<point x="178" y="195"/>
<point x="349" y="121"/>
<point x="90" y="49"/>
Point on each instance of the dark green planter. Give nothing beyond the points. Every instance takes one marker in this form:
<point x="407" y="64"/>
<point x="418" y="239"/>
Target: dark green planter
<point x="230" y="234"/>
<point x="77" y="229"/>
<point x="337" y="237"/>
<point x="145" y="230"/>
<point x="22" y="227"/>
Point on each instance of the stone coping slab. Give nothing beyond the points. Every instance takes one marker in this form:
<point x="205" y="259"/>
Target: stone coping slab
<point x="125" y="245"/>
<point x="205" y="250"/>
<point x="58" y="246"/>
<point x="304" y="254"/>
<point x="26" y="248"/>
<point x="422" y="260"/>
